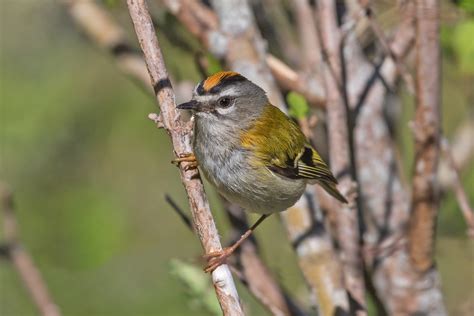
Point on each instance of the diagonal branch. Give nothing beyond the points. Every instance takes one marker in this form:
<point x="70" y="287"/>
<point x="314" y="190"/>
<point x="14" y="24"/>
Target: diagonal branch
<point x="21" y="259"/>
<point x="379" y="33"/>
<point x="181" y="140"/>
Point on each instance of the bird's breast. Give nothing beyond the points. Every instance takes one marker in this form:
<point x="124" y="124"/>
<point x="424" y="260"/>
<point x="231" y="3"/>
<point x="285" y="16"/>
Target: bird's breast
<point x="240" y="176"/>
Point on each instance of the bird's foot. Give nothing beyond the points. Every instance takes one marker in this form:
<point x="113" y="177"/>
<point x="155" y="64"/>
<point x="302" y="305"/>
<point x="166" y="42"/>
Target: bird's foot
<point x="216" y="258"/>
<point x="186" y="157"/>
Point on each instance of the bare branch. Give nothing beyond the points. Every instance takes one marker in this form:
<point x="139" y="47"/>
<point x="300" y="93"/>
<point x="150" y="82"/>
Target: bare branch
<point x="181" y="139"/>
<point x="317" y="257"/>
<point x="289" y="79"/>
<point x="462" y="151"/>
<point x="385" y="200"/>
<point x="425" y="196"/>
<point x="21" y="259"/>
<point x="182" y="215"/>
<point x="310" y="46"/>
<point x="347" y="221"/>
<point x="379" y="33"/>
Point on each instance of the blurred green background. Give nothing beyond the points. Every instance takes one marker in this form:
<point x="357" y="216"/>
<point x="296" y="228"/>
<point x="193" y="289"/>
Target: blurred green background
<point x="90" y="171"/>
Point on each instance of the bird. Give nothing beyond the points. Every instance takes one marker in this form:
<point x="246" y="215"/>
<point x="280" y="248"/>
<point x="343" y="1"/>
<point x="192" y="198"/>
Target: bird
<point x="250" y="151"/>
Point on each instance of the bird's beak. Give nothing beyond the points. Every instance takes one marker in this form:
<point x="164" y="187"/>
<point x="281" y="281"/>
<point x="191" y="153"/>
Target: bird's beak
<point x="191" y="105"/>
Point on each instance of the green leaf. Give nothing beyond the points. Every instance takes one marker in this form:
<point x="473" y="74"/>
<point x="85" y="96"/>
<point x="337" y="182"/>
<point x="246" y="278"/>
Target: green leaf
<point x="298" y="106"/>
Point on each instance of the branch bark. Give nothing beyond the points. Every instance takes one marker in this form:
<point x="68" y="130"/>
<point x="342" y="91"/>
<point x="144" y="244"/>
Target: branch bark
<point x="317" y="257"/>
<point x="339" y="150"/>
<point x="384" y="199"/>
<point x="21" y="259"/>
<point x="426" y="131"/>
<point x="181" y="140"/>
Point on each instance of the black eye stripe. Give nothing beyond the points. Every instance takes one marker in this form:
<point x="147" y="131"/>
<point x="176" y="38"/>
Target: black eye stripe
<point x="200" y="88"/>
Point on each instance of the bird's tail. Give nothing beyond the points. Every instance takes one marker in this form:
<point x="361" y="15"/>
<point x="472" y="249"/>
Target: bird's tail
<point x="331" y="188"/>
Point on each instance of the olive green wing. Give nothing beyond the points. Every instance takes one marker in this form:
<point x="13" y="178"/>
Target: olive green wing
<point x="277" y="143"/>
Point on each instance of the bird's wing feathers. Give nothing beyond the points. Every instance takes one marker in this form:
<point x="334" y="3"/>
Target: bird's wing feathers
<point x="311" y="166"/>
<point x="279" y="145"/>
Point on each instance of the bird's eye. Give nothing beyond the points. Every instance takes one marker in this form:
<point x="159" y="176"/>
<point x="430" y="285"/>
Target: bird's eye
<point x="224" y="102"/>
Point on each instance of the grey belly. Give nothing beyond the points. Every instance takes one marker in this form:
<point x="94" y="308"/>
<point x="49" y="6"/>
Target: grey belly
<point x="255" y="189"/>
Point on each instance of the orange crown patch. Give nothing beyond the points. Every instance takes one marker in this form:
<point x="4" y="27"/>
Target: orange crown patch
<point x="216" y="78"/>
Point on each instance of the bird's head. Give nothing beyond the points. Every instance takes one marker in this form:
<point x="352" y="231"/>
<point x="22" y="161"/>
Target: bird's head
<point x="226" y="96"/>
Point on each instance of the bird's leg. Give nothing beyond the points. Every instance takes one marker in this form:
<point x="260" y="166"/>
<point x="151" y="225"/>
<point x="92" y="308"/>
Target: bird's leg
<point x="186" y="157"/>
<point x="216" y="258"/>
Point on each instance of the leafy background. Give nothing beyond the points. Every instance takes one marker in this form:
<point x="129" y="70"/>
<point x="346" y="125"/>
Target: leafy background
<point x="90" y="171"/>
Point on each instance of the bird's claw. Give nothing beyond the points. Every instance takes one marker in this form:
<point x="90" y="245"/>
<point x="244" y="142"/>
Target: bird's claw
<point x="186" y="157"/>
<point x="216" y="258"/>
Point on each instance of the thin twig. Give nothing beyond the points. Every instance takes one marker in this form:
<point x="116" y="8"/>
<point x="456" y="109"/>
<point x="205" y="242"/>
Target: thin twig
<point x="182" y="215"/>
<point x="181" y="139"/>
<point x="462" y="151"/>
<point x="22" y="260"/>
<point x="379" y="33"/>
<point x="289" y="79"/>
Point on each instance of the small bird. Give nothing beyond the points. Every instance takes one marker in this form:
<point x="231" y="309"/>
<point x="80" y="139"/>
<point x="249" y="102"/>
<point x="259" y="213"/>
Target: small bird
<point x="253" y="154"/>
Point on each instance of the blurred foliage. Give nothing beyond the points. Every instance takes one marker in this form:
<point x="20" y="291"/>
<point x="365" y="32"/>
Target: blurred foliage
<point x="198" y="286"/>
<point x="456" y="38"/>
<point x="90" y="171"/>
<point x="467" y="5"/>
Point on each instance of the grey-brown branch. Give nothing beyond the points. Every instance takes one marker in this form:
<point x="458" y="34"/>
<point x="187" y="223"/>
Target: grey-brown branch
<point x="181" y="140"/>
